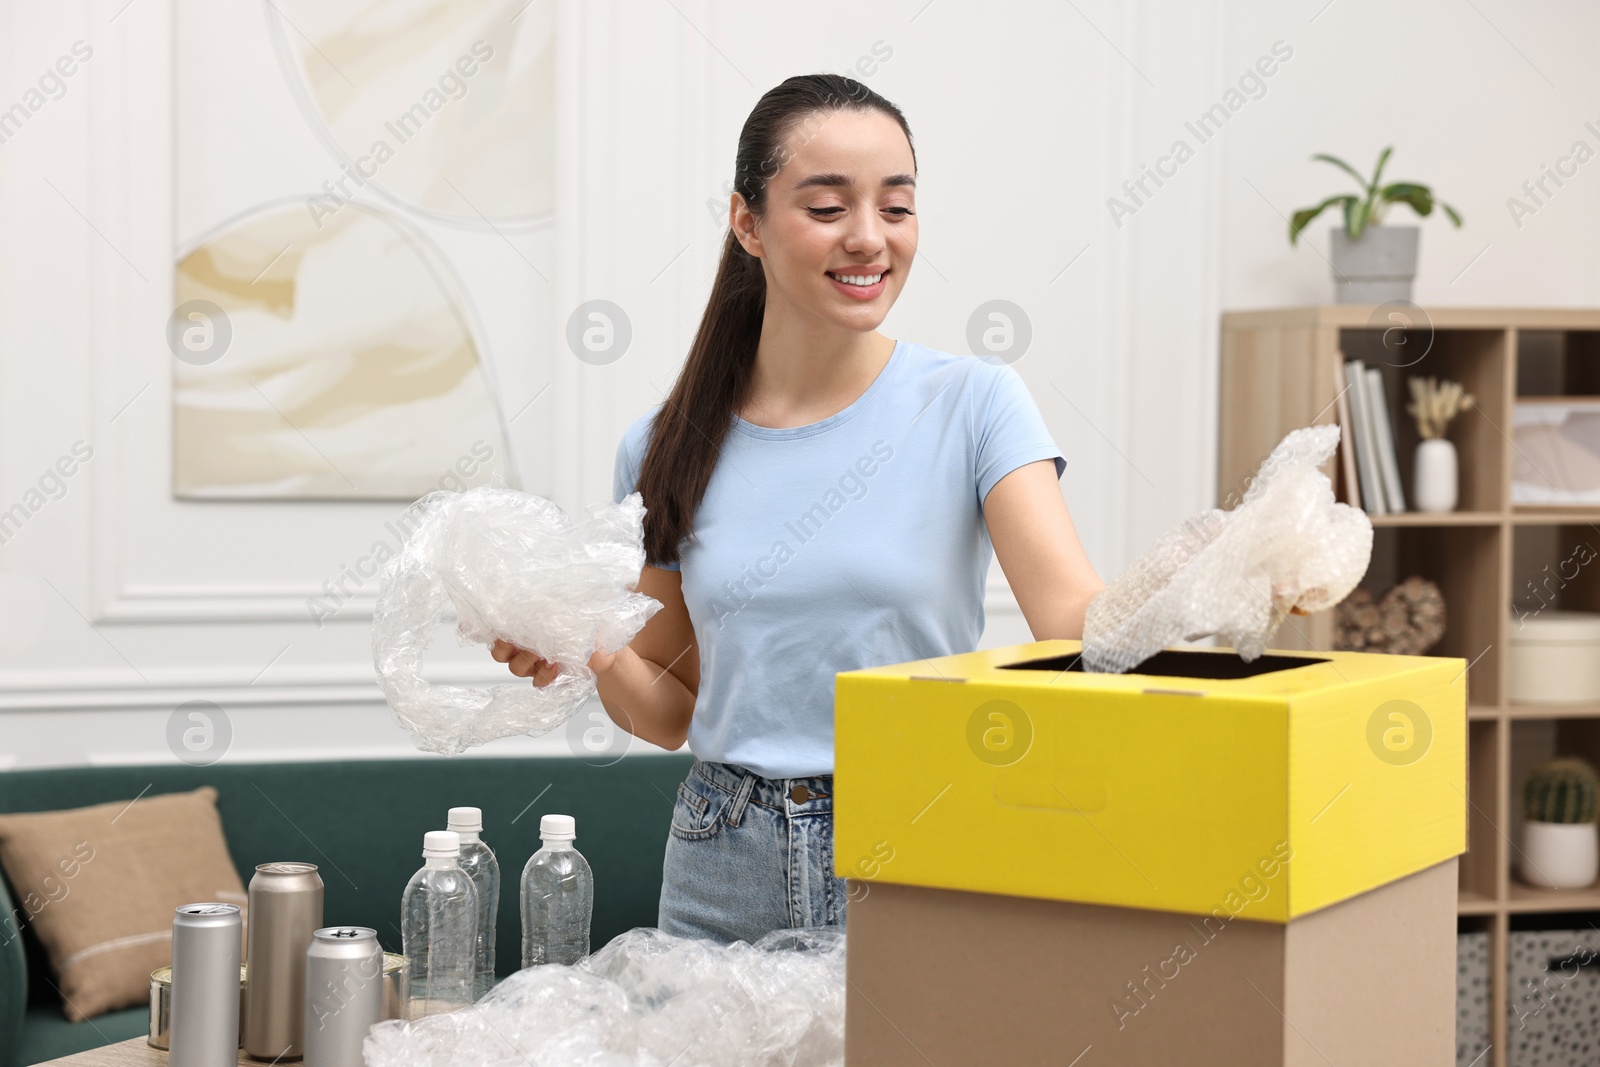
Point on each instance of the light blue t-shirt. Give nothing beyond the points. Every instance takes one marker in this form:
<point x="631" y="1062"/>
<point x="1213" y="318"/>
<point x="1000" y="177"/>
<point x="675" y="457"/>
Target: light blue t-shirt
<point x="857" y="541"/>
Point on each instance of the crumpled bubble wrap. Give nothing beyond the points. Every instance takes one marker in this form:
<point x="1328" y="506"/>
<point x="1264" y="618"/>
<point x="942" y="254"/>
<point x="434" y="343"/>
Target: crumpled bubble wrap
<point x="1287" y="546"/>
<point x="512" y="566"/>
<point x="647" y="999"/>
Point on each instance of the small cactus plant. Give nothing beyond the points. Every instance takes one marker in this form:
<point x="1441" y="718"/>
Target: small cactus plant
<point x="1563" y="790"/>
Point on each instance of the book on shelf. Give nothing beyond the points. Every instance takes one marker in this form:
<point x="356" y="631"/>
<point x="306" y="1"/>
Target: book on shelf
<point x="1347" y="454"/>
<point x="1372" y="495"/>
<point x="1373" y="442"/>
<point x="1387" y="463"/>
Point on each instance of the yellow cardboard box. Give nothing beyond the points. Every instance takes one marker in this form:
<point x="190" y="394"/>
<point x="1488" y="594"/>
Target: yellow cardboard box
<point x="1187" y="787"/>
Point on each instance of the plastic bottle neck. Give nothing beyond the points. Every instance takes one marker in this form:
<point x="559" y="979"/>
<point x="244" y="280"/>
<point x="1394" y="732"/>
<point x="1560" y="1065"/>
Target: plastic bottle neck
<point x="440" y="863"/>
<point x="560" y="844"/>
<point x="468" y="837"/>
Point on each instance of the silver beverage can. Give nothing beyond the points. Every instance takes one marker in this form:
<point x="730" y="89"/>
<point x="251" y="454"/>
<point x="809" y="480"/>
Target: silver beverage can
<point x="161" y="1007"/>
<point x="285" y="910"/>
<point x="396" y="985"/>
<point x="344" y="994"/>
<point x="204" y="1024"/>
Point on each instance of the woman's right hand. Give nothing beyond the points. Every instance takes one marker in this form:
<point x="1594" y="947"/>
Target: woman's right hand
<point x="525" y="664"/>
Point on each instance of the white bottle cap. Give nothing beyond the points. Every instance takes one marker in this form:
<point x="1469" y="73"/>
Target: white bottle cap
<point x="440" y="843"/>
<point x="557" y="828"/>
<point x="469" y="820"/>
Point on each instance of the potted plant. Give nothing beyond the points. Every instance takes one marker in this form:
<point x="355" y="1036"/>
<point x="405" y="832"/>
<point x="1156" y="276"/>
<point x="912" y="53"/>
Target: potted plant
<point x="1372" y="263"/>
<point x="1434" y="479"/>
<point x="1560" y="848"/>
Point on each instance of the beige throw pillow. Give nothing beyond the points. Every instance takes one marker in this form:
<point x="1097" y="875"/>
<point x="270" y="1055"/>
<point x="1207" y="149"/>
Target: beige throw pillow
<point x="99" y="885"/>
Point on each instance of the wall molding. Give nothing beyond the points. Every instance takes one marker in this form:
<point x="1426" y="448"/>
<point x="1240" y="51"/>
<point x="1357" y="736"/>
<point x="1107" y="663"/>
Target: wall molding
<point x="79" y="690"/>
<point x="130" y="159"/>
<point x="242" y="603"/>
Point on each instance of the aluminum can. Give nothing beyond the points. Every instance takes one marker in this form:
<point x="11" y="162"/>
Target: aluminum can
<point x="344" y="994"/>
<point x="204" y="1024"/>
<point x="285" y="910"/>
<point x="161" y="1007"/>
<point x="396" y="985"/>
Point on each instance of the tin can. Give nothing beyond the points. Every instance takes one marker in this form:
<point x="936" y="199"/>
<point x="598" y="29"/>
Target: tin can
<point x="344" y="994"/>
<point x="161" y="1007"/>
<point x="204" y="1030"/>
<point x="285" y="910"/>
<point x="396" y="982"/>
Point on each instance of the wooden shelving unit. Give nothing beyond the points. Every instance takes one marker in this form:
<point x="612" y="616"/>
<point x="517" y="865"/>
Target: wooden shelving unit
<point x="1277" y="374"/>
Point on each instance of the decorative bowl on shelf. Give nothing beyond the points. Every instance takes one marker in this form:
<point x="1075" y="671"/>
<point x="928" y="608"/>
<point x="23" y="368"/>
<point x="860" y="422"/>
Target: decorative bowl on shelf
<point x="1555" y="657"/>
<point x="1407" y="620"/>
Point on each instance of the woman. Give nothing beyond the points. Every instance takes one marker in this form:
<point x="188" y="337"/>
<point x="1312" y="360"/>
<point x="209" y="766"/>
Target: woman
<point x="820" y="497"/>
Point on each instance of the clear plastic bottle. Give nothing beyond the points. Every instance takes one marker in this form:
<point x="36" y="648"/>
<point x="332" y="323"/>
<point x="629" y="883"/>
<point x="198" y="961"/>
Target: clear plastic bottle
<point x="477" y="859"/>
<point x="438" y="919"/>
<point x="557" y="897"/>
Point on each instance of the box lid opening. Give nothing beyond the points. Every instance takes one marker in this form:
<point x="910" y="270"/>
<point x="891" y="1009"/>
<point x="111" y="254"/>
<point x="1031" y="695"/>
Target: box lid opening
<point x="1181" y="663"/>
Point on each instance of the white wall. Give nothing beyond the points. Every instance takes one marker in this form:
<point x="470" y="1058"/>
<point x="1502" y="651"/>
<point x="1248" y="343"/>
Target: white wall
<point x="1027" y="118"/>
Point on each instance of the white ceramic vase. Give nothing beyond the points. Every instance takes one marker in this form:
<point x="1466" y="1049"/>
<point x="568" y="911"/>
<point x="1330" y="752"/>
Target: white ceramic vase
<point x="1434" y="478"/>
<point x="1559" y="855"/>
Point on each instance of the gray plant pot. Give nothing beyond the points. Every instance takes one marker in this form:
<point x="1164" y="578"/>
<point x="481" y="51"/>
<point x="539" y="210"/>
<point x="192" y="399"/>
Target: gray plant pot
<point x="1375" y="269"/>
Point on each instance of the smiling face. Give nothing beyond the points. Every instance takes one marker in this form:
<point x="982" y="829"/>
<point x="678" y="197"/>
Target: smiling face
<point x="839" y="230"/>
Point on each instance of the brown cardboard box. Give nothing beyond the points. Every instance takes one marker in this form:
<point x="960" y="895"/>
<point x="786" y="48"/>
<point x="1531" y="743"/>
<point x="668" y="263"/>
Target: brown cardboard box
<point x="960" y="979"/>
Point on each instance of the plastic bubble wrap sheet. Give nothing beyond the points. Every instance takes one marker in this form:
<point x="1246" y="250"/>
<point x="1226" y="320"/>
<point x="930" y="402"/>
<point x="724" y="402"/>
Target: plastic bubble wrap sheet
<point x="1287" y="546"/>
<point x="512" y="566"/>
<point x="647" y="999"/>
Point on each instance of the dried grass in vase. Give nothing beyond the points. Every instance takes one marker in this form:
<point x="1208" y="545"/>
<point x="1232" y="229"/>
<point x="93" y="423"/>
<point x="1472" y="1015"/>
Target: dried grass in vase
<point x="1434" y="404"/>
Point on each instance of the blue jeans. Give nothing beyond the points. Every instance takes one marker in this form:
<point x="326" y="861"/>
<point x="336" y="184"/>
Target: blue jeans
<point x="747" y="855"/>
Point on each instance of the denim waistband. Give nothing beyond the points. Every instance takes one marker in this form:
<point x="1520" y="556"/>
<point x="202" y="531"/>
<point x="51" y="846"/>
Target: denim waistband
<point x="781" y="793"/>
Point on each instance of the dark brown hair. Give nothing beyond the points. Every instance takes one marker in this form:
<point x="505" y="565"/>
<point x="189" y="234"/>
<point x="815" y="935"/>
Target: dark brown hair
<point x="686" y="434"/>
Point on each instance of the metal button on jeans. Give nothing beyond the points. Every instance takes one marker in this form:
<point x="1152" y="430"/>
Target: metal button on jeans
<point x="799" y="794"/>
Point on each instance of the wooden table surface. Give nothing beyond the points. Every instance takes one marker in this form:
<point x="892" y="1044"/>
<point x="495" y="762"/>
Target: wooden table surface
<point x="134" y="1052"/>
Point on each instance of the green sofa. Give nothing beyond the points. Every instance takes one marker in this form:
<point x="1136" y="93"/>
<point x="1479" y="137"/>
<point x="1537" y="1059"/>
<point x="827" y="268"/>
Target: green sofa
<point x="362" y="823"/>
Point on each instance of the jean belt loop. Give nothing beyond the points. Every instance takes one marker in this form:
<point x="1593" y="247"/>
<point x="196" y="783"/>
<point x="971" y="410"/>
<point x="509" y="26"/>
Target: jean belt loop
<point x="741" y="797"/>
